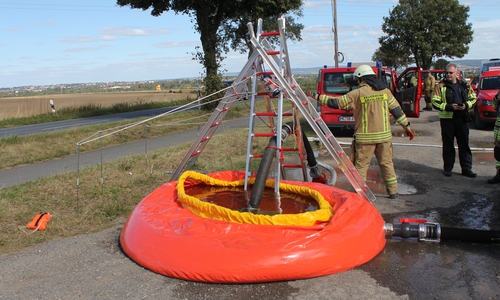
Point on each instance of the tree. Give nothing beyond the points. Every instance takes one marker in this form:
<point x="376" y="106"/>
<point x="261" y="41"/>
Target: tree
<point x="222" y="26"/>
<point x="390" y="58"/>
<point x="425" y="29"/>
<point x="440" y="64"/>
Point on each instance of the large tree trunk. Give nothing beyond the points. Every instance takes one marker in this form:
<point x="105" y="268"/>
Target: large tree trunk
<point x="207" y="27"/>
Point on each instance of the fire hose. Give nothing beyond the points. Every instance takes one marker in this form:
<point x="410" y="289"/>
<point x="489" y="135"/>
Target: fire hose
<point x="267" y="159"/>
<point x="433" y="232"/>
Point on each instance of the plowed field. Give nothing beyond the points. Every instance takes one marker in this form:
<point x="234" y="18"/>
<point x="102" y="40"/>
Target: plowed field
<point x="27" y="106"/>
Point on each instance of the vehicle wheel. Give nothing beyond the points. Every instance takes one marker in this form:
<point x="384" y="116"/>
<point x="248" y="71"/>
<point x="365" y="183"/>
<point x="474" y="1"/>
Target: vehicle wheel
<point x="479" y="124"/>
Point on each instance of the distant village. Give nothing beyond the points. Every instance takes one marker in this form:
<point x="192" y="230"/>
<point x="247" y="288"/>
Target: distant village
<point x="470" y="67"/>
<point x="99" y="87"/>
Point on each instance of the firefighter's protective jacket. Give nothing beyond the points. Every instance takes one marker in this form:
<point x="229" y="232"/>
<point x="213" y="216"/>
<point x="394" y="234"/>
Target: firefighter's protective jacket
<point x="372" y="112"/>
<point x="496" y="130"/>
<point x="444" y="97"/>
<point x="429" y="83"/>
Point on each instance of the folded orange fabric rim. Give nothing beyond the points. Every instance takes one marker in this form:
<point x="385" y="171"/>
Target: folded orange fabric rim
<point x="216" y="212"/>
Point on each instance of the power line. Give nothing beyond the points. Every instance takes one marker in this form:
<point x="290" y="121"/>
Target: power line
<point x="59" y="7"/>
<point x="55" y="5"/>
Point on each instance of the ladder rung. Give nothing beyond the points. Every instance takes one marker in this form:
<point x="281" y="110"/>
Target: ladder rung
<point x="257" y="155"/>
<point x="266" y="114"/>
<point x="290" y="149"/>
<point x="271" y="114"/>
<point x="264" y="134"/>
<point x="272" y="52"/>
<point x="270" y="33"/>
<point x="289" y="166"/>
<point x="266" y="73"/>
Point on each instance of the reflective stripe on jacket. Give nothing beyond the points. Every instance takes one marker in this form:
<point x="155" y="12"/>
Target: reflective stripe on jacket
<point x="371" y="112"/>
<point x="496" y="129"/>
<point x="443" y="98"/>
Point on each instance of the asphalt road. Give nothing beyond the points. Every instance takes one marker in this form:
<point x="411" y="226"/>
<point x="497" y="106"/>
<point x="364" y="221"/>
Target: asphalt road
<point x="75" y="123"/>
<point x="18" y="175"/>
<point x="93" y="266"/>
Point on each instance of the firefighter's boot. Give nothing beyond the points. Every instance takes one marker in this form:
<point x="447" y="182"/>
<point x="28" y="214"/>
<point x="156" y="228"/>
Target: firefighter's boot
<point x="428" y="106"/>
<point x="495" y="179"/>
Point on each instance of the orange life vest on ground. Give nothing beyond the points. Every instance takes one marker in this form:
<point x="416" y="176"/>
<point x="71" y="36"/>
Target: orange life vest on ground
<point x="39" y="222"/>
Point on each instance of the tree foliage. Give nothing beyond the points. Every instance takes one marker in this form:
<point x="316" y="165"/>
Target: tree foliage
<point x="440" y="64"/>
<point x="424" y="29"/>
<point x="222" y="26"/>
<point x="389" y="57"/>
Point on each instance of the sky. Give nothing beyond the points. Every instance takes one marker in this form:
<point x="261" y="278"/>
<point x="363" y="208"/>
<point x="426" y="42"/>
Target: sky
<point x="44" y="42"/>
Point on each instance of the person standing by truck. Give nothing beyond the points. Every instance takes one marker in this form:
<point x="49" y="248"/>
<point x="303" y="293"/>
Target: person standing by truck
<point x="496" y="134"/>
<point x="453" y="98"/>
<point x="429" y="85"/>
<point x="372" y="105"/>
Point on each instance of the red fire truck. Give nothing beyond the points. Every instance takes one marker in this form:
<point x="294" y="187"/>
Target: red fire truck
<point x="339" y="81"/>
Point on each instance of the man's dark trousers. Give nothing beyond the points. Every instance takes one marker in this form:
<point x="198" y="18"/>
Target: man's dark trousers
<point x="451" y="128"/>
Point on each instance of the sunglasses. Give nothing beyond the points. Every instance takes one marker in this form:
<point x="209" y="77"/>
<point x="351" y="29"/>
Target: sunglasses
<point x="450" y="72"/>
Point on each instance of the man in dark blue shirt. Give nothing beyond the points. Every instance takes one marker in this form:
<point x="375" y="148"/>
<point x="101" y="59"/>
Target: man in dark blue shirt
<point x="453" y="98"/>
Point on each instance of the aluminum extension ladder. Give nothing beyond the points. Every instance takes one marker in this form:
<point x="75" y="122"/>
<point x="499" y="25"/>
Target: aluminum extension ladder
<point x="275" y="118"/>
<point x="254" y="69"/>
<point x="280" y="68"/>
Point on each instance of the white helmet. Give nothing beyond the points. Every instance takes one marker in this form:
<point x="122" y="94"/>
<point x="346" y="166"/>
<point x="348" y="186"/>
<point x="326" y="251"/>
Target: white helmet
<point x="363" y="70"/>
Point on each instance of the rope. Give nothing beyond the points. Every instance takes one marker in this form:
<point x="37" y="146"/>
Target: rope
<point x="195" y="103"/>
<point x="317" y="140"/>
<point x="282" y="155"/>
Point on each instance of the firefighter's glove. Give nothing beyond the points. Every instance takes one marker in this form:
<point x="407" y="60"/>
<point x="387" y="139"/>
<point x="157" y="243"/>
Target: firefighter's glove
<point x="409" y="132"/>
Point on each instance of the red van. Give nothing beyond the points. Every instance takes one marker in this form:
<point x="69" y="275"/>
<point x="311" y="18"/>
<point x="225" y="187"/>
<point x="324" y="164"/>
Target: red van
<point x="486" y="88"/>
<point x="339" y="81"/>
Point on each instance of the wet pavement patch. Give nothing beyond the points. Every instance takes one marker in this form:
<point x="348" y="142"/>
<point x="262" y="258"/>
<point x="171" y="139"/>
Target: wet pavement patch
<point x="376" y="183"/>
<point x="449" y="269"/>
<point x="446" y="270"/>
<point x="480" y="212"/>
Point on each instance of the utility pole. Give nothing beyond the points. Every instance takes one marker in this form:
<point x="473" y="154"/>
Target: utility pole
<point x="335" y="36"/>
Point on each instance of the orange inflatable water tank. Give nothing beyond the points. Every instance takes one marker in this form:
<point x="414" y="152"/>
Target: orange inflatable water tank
<point x="168" y="234"/>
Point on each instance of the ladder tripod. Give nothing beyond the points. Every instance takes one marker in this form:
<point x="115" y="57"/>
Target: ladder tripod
<point x="281" y="84"/>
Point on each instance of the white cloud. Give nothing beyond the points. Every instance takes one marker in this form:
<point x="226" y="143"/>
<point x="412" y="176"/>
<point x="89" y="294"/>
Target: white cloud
<point x="78" y="39"/>
<point x="316" y="4"/>
<point x="86" y="39"/>
<point x="16" y="29"/>
<point x="138" y="54"/>
<point x="316" y="28"/>
<point x="127" y="31"/>
<point x="170" y="44"/>
<point x="85" y="49"/>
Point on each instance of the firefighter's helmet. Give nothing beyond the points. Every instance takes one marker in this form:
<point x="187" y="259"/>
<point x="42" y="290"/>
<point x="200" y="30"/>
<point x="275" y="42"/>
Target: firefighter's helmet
<point x="363" y="70"/>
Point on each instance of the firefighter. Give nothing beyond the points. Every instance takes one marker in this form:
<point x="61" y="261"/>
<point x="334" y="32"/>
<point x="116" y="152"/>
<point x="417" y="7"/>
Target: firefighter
<point x="372" y="104"/>
<point x="496" y="134"/>
<point x="413" y="81"/>
<point x="429" y="85"/>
